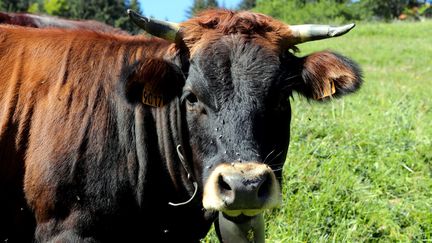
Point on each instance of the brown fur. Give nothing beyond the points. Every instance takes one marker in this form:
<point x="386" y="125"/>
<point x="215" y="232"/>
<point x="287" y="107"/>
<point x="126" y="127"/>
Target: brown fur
<point x="49" y="80"/>
<point x="324" y="71"/>
<point x="41" y="21"/>
<point x="212" y="24"/>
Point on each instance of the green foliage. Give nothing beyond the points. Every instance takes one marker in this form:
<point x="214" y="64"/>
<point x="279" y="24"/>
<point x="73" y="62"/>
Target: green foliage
<point x="55" y="7"/>
<point x="112" y="12"/>
<point x="246" y="4"/>
<point x="124" y="22"/>
<point x="199" y="5"/>
<point x="417" y="13"/>
<point x="212" y="4"/>
<point x="34" y="8"/>
<point x="15" y="5"/>
<point x="103" y="10"/>
<point x="336" y="11"/>
<point x="303" y="11"/>
<point x="386" y="9"/>
<point x="423" y="10"/>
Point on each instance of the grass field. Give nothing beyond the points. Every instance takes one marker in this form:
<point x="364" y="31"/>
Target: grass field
<point x="359" y="169"/>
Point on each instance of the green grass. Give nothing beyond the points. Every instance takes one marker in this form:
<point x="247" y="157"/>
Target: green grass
<point x="359" y="168"/>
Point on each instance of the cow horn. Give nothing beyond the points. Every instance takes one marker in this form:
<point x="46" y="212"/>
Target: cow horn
<point x="163" y="29"/>
<point x="310" y="32"/>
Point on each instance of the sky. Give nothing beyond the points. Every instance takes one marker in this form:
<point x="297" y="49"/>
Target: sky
<point x="174" y="10"/>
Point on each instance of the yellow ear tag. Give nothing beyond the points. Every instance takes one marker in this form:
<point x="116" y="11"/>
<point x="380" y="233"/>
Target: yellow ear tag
<point x="328" y="90"/>
<point x="152" y="95"/>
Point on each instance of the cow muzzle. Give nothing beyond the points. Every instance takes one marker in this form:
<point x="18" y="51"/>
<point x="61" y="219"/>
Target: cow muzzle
<point x="241" y="189"/>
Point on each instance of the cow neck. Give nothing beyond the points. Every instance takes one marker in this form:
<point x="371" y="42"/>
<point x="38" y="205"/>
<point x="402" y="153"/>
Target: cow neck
<point x="181" y="155"/>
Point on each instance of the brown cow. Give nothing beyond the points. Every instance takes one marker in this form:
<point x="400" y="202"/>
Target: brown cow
<point x="114" y="138"/>
<point x="42" y="21"/>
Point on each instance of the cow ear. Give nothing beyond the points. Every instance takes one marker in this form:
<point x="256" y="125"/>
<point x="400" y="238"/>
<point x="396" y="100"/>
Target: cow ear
<point x="326" y="74"/>
<point x="154" y="82"/>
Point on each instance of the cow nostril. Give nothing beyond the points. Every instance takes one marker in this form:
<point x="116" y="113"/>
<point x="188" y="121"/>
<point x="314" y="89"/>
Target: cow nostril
<point x="265" y="187"/>
<point x="223" y="185"/>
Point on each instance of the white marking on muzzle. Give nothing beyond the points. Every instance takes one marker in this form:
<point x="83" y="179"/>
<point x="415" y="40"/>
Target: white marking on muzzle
<point x="218" y="198"/>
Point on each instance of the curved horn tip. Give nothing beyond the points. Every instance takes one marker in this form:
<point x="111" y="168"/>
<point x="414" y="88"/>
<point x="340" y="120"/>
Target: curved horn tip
<point x="341" y="30"/>
<point x="352" y="25"/>
<point x="163" y="29"/>
<point x="131" y="12"/>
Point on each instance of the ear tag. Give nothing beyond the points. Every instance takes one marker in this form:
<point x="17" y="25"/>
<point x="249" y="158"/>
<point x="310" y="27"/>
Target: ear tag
<point x="152" y="95"/>
<point x="328" y="90"/>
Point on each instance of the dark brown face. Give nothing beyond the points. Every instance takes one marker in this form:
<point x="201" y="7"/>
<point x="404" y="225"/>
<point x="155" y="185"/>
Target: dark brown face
<point x="238" y="113"/>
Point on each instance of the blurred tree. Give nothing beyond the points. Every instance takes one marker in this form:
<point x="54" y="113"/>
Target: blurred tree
<point x="103" y="10"/>
<point x="212" y="4"/>
<point x="390" y="9"/>
<point x="34" y="8"/>
<point x="199" y="5"/>
<point x="311" y="11"/>
<point x="386" y="9"/>
<point x="247" y="4"/>
<point x="16" y="5"/>
<point x="124" y="22"/>
<point x="56" y="7"/>
<point x="112" y="12"/>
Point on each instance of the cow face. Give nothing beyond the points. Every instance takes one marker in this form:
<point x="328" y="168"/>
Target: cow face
<point x="238" y="113"/>
<point x="240" y="73"/>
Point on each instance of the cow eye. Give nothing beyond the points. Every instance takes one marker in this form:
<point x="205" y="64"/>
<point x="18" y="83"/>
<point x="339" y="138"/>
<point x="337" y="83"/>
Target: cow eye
<point x="193" y="104"/>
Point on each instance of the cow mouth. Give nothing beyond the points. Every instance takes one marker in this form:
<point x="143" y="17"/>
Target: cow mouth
<point x="245" y="212"/>
<point x="239" y="219"/>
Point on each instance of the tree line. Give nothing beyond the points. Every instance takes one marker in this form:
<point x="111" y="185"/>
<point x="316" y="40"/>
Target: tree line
<point x="314" y="11"/>
<point x="112" y="12"/>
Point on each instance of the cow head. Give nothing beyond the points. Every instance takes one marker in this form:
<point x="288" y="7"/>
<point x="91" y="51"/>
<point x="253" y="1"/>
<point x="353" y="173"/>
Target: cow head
<point x="241" y="71"/>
